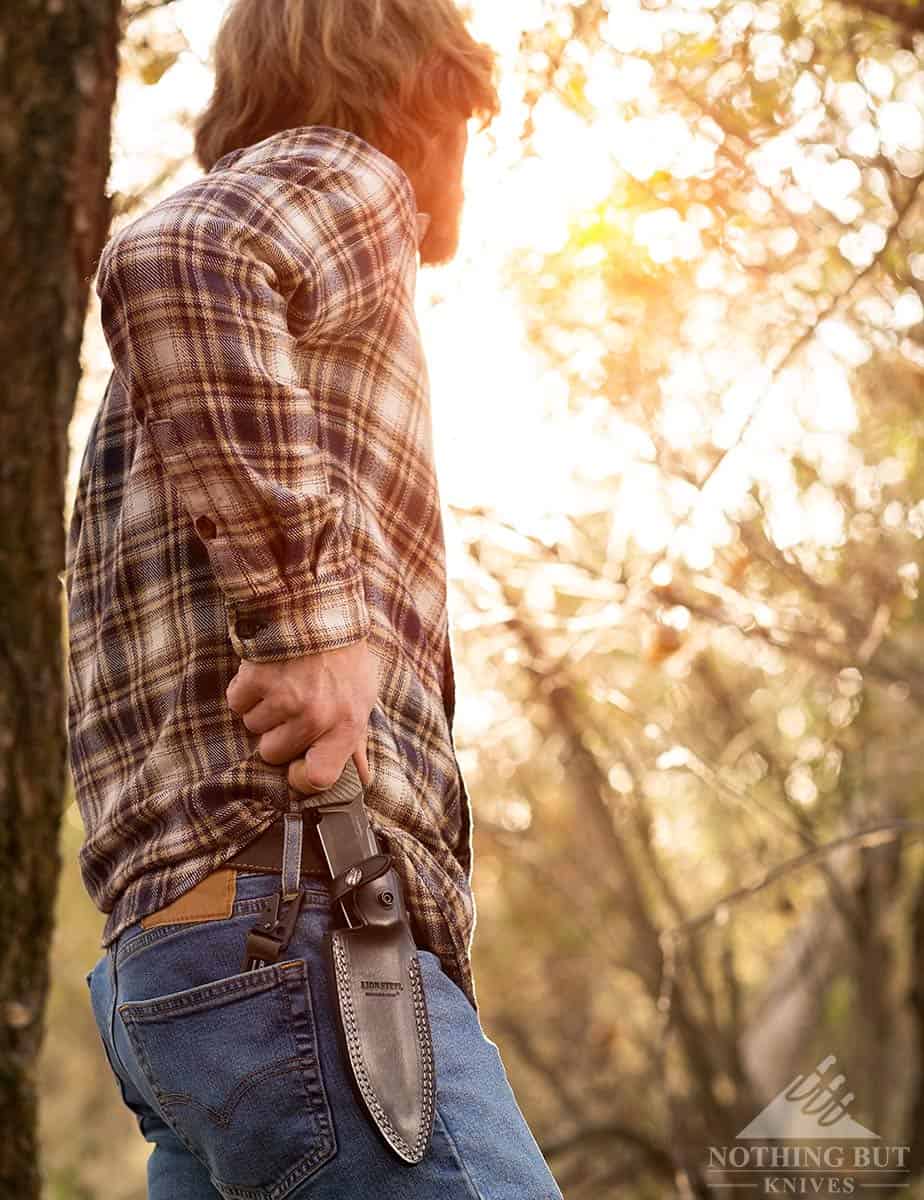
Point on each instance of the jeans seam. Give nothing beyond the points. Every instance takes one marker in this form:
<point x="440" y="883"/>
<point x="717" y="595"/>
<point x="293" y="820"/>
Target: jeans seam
<point x="470" y="1183"/>
<point x="112" y="1017"/>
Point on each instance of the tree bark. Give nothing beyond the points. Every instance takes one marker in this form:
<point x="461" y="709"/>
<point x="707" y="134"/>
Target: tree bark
<point x="58" y="72"/>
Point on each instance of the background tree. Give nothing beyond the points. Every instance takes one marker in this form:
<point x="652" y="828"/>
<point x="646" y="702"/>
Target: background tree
<point x="57" y="85"/>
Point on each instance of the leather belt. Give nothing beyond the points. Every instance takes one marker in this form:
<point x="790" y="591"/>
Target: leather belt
<point x="264" y="853"/>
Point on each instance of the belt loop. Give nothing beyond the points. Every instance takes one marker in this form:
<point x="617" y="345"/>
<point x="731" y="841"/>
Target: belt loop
<point x="292" y="853"/>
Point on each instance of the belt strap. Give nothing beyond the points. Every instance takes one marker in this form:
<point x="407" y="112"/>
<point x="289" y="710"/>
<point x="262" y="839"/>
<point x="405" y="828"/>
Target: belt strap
<point x="267" y="940"/>
<point x="264" y="853"/>
<point x="291" y="853"/>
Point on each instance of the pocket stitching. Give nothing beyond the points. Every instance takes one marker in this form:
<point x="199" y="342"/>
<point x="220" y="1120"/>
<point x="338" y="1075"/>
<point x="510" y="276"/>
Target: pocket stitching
<point x="192" y="999"/>
<point x="222" y="1117"/>
<point x="316" y="1099"/>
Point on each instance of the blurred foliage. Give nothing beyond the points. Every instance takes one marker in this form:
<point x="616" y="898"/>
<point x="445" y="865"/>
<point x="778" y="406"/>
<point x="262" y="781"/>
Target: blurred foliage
<point x="714" y="669"/>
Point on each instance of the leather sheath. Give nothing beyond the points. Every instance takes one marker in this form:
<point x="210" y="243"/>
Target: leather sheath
<point x="382" y="1014"/>
<point x="385" y="1032"/>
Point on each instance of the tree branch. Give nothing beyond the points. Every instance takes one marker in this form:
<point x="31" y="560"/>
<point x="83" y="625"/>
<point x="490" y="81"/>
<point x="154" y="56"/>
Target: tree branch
<point x="873" y="836"/>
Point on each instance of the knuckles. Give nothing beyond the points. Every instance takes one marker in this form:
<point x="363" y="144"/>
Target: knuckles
<point x="322" y="780"/>
<point x="308" y="703"/>
<point x="274" y="758"/>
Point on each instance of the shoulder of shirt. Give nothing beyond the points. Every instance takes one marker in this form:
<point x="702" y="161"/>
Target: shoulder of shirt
<point x="324" y="161"/>
<point x="321" y="153"/>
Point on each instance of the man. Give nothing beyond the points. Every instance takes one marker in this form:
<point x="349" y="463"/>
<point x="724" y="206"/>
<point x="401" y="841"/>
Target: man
<point x="257" y="609"/>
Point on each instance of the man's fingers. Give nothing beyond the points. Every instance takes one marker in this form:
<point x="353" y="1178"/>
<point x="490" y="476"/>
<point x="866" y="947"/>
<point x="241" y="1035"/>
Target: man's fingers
<point x="287" y="733"/>
<point x="289" y="739"/>
<point x="322" y="764"/>
<point x="243" y="692"/>
<point x="266" y="715"/>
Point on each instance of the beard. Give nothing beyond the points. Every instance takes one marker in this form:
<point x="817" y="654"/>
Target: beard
<point x="441" y="241"/>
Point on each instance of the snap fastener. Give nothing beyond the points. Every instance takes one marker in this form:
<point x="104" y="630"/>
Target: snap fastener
<point x="205" y="527"/>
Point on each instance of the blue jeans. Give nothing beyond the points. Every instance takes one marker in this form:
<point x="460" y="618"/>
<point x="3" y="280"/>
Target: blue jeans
<point x="238" y="1079"/>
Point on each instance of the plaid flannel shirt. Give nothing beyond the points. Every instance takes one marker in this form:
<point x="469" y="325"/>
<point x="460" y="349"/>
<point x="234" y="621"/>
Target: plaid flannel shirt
<point x="259" y="483"/>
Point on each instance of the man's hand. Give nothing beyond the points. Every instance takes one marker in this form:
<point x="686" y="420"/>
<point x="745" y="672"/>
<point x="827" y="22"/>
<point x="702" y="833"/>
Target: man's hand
<point x="319" y="703"/>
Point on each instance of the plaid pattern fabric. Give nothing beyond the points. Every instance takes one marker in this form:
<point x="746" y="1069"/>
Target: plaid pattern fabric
<point x="258" y="483"/>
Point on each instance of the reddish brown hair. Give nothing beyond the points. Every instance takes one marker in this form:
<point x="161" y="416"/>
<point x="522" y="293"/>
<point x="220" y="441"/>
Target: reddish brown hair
<point x="395" y="72"/>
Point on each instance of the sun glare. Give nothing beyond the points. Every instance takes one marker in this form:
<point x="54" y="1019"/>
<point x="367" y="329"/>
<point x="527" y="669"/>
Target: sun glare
<point x="506" y="436"/>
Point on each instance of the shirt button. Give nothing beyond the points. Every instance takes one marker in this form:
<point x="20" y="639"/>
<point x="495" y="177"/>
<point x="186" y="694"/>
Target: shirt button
<point x="246" y="628"/>
<point x="205" y="527"/>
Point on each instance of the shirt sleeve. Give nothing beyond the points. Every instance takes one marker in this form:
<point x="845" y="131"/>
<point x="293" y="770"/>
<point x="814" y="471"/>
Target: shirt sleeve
<point x="196" y="308"/>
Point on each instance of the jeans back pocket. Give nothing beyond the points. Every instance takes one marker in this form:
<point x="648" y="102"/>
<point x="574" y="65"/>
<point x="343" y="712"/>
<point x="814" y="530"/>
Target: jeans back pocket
<point x="234" y="1068"/>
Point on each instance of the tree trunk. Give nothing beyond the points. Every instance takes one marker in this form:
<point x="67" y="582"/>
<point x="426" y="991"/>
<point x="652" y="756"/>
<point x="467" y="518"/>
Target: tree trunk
<point x="58" y="71"/>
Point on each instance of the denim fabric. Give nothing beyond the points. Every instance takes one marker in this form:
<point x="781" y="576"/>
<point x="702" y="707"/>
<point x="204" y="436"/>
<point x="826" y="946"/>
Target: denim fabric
<point x="238" y="1080"/>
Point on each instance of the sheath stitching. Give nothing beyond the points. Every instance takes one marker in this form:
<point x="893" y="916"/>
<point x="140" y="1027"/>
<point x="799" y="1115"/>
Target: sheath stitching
<point x="356" y="1054"/>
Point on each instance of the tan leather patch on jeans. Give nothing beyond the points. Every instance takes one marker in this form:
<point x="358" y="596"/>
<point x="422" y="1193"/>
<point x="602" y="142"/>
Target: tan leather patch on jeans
<point x="211" y="898"/>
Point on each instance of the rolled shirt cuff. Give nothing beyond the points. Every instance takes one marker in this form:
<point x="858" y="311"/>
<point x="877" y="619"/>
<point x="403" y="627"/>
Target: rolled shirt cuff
<point x="316" y="614"/>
